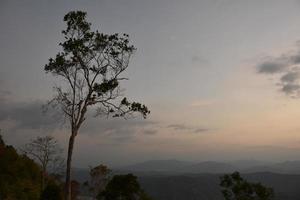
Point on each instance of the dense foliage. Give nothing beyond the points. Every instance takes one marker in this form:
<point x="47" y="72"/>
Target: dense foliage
<point x="124" y="187"/>
<point x="99" y="177"/>
<point x="236" y="188"/>
<point x="52" y="192"/>
<point x="20" y="177"/>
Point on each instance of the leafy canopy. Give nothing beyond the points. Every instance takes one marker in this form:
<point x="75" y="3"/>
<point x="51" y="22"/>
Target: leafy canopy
<point x="91" y="65"/>
<point x="234" y="187"/>
<point x="123" y="187"/>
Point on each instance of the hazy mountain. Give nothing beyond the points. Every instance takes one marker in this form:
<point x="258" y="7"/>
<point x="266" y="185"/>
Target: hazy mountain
<point x="210" y="167"/>
<point x="287" y="167"/>
<point x="206" y="186"/>
<point x="246" y="166"/>
<point x="160" y="165"/>
<point x="181" y="180"/>
<point x="290" y="167"/>
<point x="181" y="167"/>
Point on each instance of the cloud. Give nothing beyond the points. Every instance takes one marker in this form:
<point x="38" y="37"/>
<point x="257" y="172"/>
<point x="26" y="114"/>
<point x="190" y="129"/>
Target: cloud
<point x="150" y="132"/>
<point x="287" y="70"/>
<point x="183" y="127"/>
<point x="118" y="130"/>
<point x="200" y="130"/>
<point x="291" y="89"/>
<point x="97" y="125"/>
<point x="26" y="118"/>
<point x="27" y="115"/>
<point x="290" y="77"/>
<point x="271" y="67"/>
<point x="180" y="127"/>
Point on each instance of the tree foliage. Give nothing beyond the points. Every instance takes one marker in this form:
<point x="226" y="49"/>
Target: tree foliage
<point x="124" y="187"/>
<point x="91" y="63"/>
<point x="19" y="175"/>
<point x="99" y="177"/>
<point x="234" y="187"/>
<point x="52" y="192"/>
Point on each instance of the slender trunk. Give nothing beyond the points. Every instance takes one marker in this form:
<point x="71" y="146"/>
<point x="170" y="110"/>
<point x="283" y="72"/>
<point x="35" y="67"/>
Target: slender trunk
<point x="42" y="181"/>
<point x="43" y="178"/>
<point x="69" y="162"/>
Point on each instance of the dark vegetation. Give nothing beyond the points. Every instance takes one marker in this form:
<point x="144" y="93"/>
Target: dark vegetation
<point x="47" y="153"/>
<point x="234" y="187"/>
<point x="123" y="187"/>
<point x="20" y="177"/>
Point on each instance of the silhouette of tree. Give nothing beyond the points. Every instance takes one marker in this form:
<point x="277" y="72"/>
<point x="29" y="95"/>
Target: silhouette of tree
<point x="234" y="187"/>
<point x="91" y="65"/>
<point x="123" y="187"/>
<point x="99" y="177"/>
<point x="19" y="175"/>
<point x="52" y="192"/>
<point x="46" y="151"/>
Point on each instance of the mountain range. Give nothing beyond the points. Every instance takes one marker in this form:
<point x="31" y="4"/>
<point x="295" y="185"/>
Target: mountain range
<point x="244" y="166"/>
<point x="184" y="180"/>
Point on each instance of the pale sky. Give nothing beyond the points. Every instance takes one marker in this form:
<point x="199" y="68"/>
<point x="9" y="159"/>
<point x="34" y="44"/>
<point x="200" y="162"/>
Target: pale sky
<point x="219" y="76"/>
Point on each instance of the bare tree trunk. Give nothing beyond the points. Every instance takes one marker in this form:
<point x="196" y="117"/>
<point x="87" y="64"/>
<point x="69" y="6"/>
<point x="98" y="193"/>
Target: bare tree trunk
<point x="42" y="181"/>
<point x="43" y="178"/>
<point x="69" y="162"/>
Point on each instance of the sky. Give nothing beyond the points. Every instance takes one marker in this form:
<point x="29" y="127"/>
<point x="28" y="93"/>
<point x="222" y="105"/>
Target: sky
<point x="219" y="76"/>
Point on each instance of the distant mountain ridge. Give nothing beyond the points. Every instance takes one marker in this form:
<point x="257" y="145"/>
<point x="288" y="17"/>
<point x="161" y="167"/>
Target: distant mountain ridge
<point x="206" y="186"/>
<point x="162" y="186"/>
<point x="245" y="166"/>
<point x="159" y="165"/>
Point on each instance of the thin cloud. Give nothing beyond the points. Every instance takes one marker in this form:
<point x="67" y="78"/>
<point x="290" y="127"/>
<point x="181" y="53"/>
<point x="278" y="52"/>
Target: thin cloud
<point x="150" y="132"/>
<point x="200" y="130"/>
<point x="183" y="127"/>
<point x="28" y="115"/>
<point x="180" y="127"/>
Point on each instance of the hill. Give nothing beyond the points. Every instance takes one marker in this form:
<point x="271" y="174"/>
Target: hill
<point x="206" y="186"/>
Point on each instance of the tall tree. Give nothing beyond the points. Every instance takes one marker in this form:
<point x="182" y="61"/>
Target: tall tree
<point x="47" y="152"/>
<point x="90" y="64"/>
